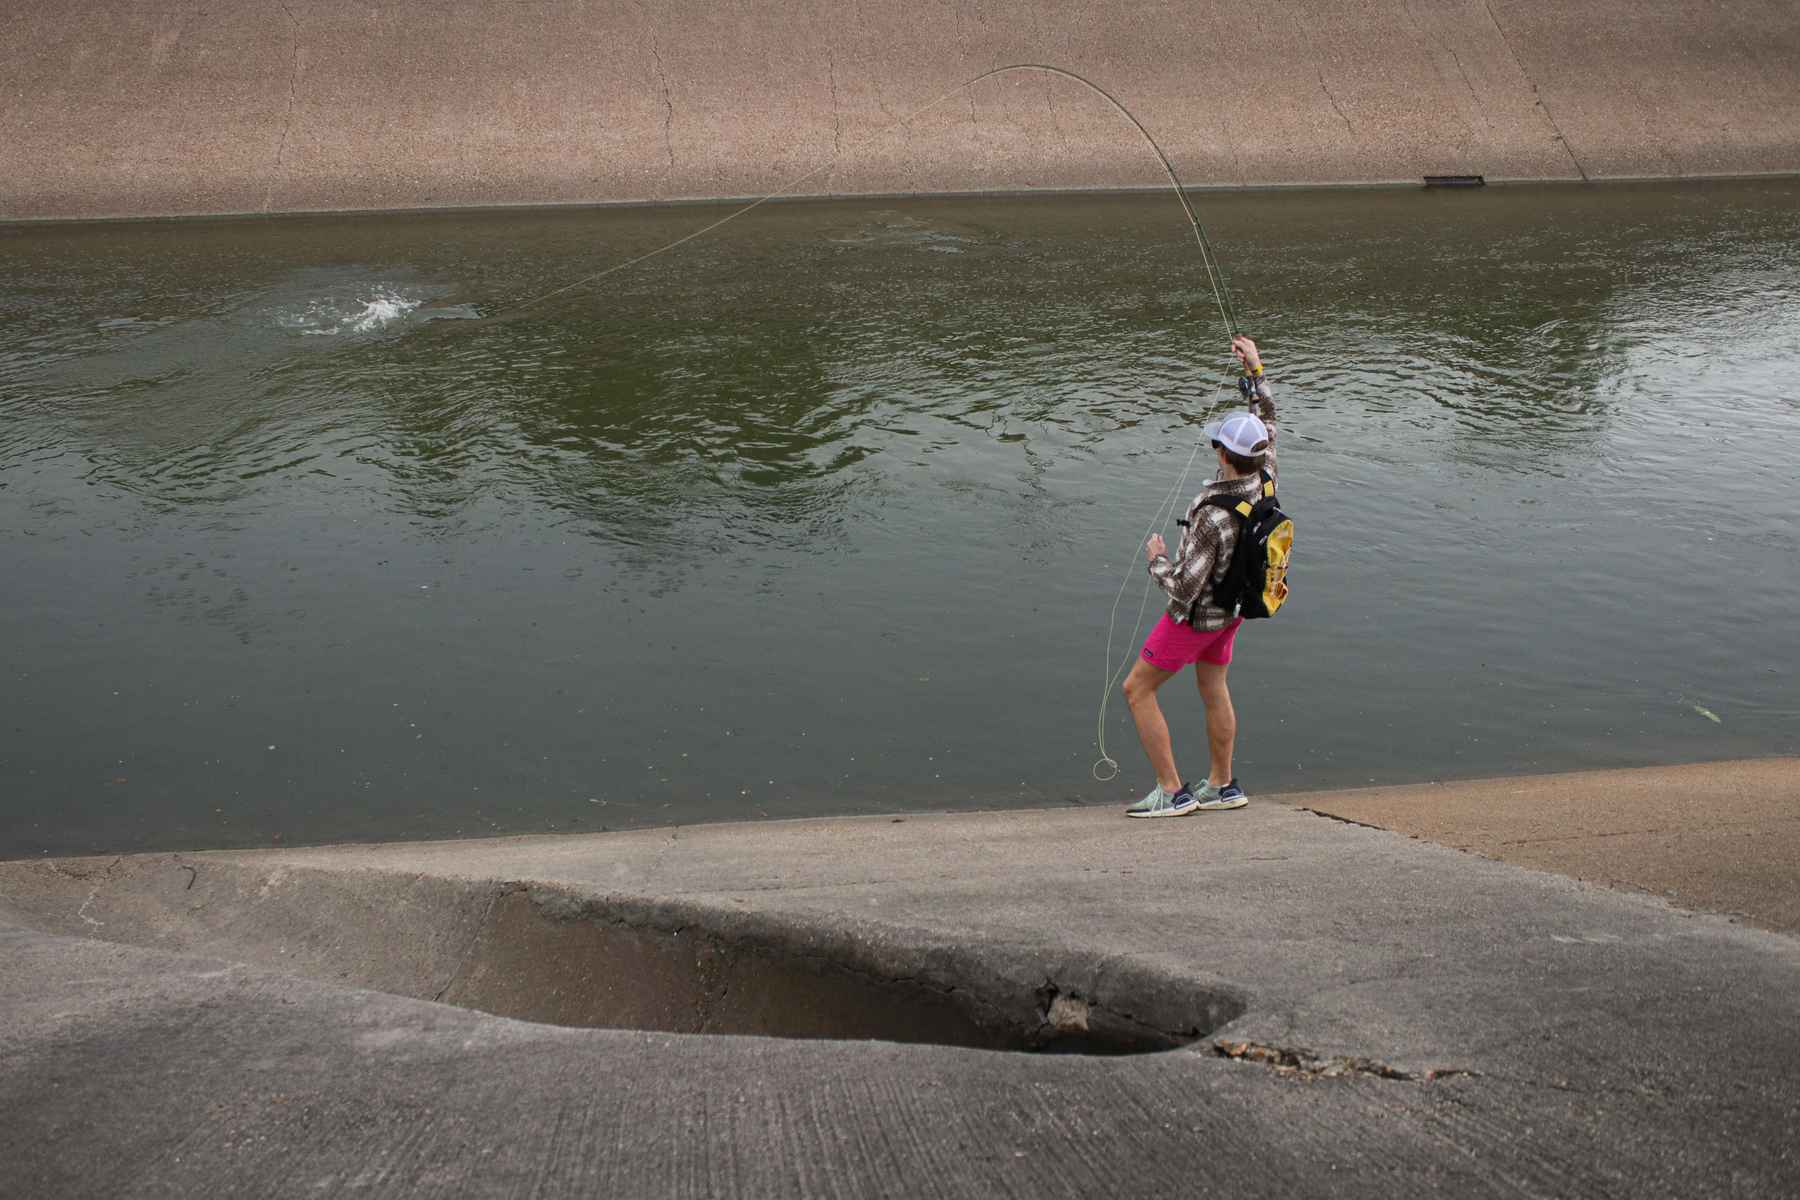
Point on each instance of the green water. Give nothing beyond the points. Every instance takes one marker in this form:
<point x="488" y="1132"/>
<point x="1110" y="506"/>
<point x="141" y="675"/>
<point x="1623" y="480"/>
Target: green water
<point x="824" y="513"/>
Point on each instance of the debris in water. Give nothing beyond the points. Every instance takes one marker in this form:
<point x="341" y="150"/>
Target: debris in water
<point x="1708" y="713"/>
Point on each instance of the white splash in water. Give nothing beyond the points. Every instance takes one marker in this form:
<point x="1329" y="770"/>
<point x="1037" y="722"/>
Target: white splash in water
<point x="382" y="310"/>
<point x="328" y="318"/>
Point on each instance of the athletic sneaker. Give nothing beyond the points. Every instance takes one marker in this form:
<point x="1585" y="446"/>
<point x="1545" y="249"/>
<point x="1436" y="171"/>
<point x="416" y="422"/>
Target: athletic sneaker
<point x="1218" y="799"/>
<point x="1165" y="804"/>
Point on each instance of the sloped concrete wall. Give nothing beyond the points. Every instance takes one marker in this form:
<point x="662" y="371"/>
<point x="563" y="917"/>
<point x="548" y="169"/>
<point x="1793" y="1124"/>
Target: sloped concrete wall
<point x="127" y="107"/>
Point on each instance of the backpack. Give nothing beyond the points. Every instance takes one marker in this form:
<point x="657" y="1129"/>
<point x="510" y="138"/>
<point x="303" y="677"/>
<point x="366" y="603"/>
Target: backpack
<point x="1255" y="583"/>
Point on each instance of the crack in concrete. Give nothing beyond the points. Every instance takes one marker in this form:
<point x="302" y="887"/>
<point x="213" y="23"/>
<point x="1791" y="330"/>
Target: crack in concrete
<point x="1319" y="812"/>
<point x="662" y="79"/>
<point x="1542" y="107"/>
<point x="1336" y="107"/>
<point x="277" y="173"/>
<point x="1306" y="1064"/>
<point x="837" y="114"/>
<point x="1062" y="135"/>
<point x="1460" y="70"/>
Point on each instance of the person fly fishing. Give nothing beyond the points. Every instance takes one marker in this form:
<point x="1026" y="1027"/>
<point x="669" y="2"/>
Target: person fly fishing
<point x="1232" y="563"/>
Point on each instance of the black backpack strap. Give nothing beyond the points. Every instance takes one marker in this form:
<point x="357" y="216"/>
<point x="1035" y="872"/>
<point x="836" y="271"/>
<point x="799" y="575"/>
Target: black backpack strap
<point x="1237" y="507"/>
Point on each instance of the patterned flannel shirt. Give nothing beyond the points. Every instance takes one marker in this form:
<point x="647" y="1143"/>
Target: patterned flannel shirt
<point x="1211" y="535"/>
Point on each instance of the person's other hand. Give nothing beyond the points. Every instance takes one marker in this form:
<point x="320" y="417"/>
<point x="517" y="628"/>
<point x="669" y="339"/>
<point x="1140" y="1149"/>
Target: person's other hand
<point x="1155" y="548"/>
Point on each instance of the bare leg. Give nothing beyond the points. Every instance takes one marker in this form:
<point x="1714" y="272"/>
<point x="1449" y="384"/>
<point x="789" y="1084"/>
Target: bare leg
<point x="1221" y="719"/>
<point x="1153" y="730"/>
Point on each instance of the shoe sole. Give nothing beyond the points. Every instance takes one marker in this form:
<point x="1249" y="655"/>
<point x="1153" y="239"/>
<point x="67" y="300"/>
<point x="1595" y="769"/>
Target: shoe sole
<point x="1222" y="805"/>
<point x="1167" y="812"/>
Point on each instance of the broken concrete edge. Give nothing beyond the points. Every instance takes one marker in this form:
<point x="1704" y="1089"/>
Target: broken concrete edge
<point x="416" y="935"/>
<point x="724" y="202"/>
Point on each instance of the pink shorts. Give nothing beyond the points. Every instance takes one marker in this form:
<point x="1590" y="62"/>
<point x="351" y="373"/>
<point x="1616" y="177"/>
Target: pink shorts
<point x="1172" y="645"/>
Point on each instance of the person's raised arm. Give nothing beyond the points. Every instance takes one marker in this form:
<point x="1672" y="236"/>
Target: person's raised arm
<point x="1262" y="401"/>
<point x="1261" y="398"/>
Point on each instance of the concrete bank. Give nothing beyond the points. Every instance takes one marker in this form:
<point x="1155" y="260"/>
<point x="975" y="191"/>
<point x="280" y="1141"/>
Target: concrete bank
<point x="1359" y="1013"/>
<point x="115" y="108"/>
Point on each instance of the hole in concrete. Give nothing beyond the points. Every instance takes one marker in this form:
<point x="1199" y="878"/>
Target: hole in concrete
<point x="542" y="955"/>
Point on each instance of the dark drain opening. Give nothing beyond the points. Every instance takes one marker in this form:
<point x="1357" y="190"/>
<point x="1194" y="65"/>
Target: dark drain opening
<point x="542" y="955"/>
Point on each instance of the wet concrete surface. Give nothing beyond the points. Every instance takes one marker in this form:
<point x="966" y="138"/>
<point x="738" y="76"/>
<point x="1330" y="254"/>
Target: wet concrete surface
<point x="1416" y="1020"/>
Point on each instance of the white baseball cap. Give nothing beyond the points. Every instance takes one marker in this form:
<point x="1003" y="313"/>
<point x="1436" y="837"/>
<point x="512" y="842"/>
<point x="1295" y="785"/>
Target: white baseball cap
<point x="1241" y="433"/>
